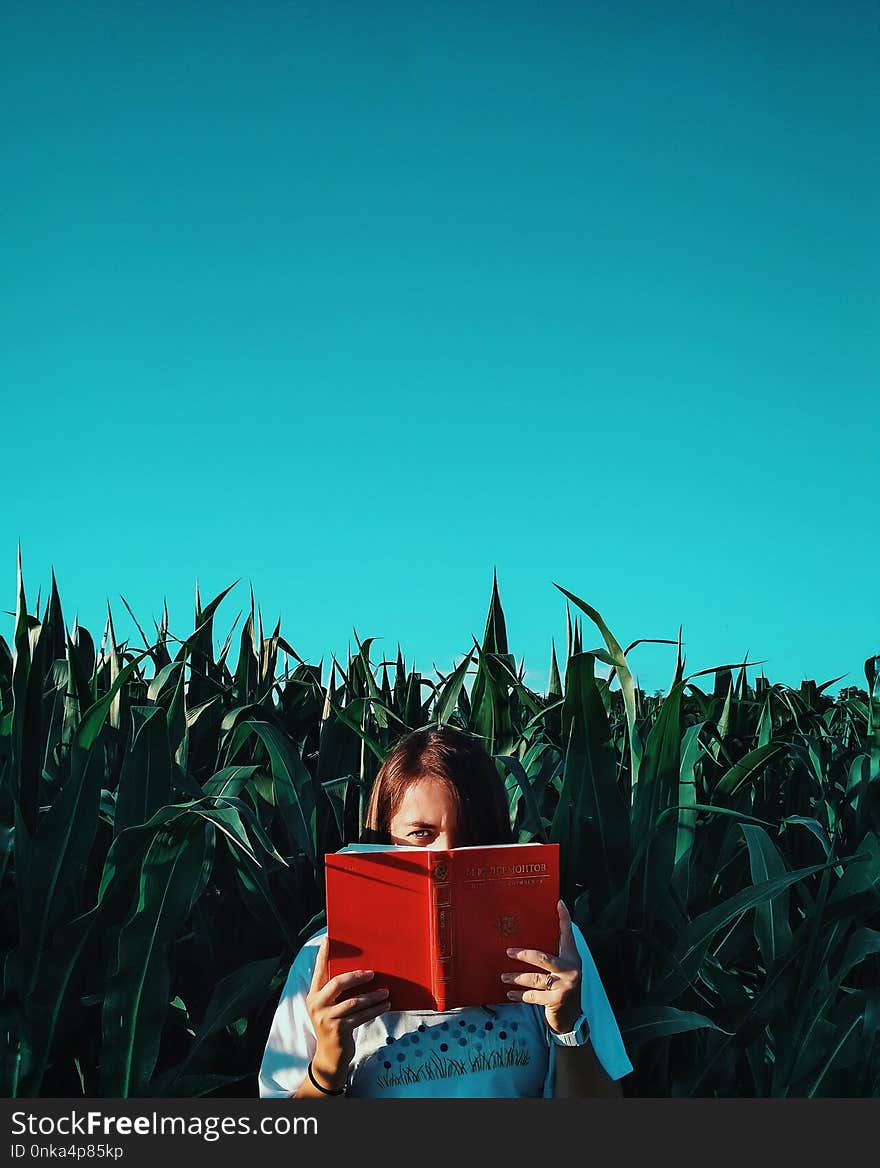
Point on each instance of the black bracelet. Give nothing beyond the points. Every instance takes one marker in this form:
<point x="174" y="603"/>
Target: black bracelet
<point x="318" y="1087"/>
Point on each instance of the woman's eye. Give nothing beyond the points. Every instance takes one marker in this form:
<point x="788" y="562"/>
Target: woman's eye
<point x="420" y="833"/>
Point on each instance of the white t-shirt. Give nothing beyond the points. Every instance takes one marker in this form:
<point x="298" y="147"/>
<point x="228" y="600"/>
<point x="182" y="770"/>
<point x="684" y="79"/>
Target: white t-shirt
<point x="473" y="1052"/>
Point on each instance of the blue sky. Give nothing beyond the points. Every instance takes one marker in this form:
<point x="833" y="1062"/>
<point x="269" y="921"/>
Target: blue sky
<point x="361" y="302"/>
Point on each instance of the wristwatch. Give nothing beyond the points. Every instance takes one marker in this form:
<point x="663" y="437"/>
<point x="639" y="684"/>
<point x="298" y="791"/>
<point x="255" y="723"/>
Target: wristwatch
<point x="576" y="1037"/>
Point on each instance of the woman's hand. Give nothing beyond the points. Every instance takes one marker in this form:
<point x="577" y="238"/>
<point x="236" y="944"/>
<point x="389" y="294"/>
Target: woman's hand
<point x="335" y="1012"/>
<point x="558" y="986"/>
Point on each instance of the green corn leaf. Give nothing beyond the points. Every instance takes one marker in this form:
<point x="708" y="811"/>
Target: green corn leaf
<point x="772" y="928"/>
<point x="252" y="885"/>
<point x="294" y="792"/>
<point x="691" y="749"/>
<point x="641" y="1024"/>
<point x="765" y="725"/>
<point x="624" y="677"/>
<point x="521" y="789"/>
<point x="858" y="889"/>
<point x="815" y="827"/>
<point x="50" y="867"/>
<point x="842" y="1036"/>
<point x="95" y="717"/>
<point x="235" y="996"/>
<point x="138" y="989"/>
<point x="230" y="781"/>
<point x="590" y="794"/>
<point x="747" y="768"/>
<point x="146" y="776"/>
<point x="354" y="716"/>
<point x="695" y="940"/>
<point x="447" y="700"/>
<point x="657" y="790"/>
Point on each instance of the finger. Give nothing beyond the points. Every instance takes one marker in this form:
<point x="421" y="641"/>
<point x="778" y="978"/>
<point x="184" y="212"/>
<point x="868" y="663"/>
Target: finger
<point x="567" y="945"/>
<point x="533" y="981"/>
<point x="337" y="986"/>
<point x="356" y="1004"/>
<point x="352" y="1021"/>
<point x="548" y="961"/>
<point x="319" y="973"/>
<point x="536" y="997"/>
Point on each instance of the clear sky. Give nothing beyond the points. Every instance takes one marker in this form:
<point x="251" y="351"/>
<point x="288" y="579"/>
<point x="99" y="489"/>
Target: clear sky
<point x="357" y="302"/>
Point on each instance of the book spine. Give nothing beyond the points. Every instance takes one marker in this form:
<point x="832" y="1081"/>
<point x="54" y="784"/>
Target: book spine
<point x="442" y="969"/>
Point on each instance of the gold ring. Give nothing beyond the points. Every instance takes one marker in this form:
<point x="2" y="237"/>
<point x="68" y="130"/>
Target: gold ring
<point x="548" y="984"/>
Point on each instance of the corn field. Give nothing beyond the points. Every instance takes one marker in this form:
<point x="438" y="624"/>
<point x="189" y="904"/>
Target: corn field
<point x="164" y="820"/>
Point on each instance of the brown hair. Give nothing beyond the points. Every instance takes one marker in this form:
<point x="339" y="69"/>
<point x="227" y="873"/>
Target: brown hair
<point x="455" y="759"/>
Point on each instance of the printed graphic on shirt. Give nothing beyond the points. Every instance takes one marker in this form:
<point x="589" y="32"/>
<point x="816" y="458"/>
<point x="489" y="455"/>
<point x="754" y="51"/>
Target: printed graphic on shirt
<point x="443" y="1050"/>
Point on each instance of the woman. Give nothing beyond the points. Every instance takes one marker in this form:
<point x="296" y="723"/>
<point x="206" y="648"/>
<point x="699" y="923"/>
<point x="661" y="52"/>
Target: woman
<point x="555" y="1036"/>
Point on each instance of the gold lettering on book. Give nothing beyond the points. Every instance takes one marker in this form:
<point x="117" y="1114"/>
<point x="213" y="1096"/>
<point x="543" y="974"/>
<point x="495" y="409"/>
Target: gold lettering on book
<point x="505" y="870"/>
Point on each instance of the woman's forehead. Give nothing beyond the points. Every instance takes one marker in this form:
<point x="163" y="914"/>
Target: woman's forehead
<point x="428" y="799"/>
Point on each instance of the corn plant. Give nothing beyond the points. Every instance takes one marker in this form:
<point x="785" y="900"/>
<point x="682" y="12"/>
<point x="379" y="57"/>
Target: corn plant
<point x="164" y="816"/>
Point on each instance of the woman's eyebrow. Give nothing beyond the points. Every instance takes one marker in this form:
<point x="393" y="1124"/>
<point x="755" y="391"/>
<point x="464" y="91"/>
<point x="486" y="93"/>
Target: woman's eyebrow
<point x="419" y="823"/>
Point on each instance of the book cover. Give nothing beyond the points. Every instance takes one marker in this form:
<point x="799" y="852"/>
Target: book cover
<point x="435" y="925"/>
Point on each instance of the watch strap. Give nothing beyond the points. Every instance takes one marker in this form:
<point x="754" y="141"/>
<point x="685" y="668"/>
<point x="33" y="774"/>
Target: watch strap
<point x="577" y="1036"/>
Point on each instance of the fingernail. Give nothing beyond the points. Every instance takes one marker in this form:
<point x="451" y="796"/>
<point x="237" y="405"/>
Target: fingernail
<point x="512" y="952"/>
<point x="383" y="993"/>
<point x="507" y="976"/>
<point x="511" y="994"/>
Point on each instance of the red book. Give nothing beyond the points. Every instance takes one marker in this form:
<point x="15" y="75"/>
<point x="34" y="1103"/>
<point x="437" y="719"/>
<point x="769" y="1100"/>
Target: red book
<point x="435" y="925"/>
